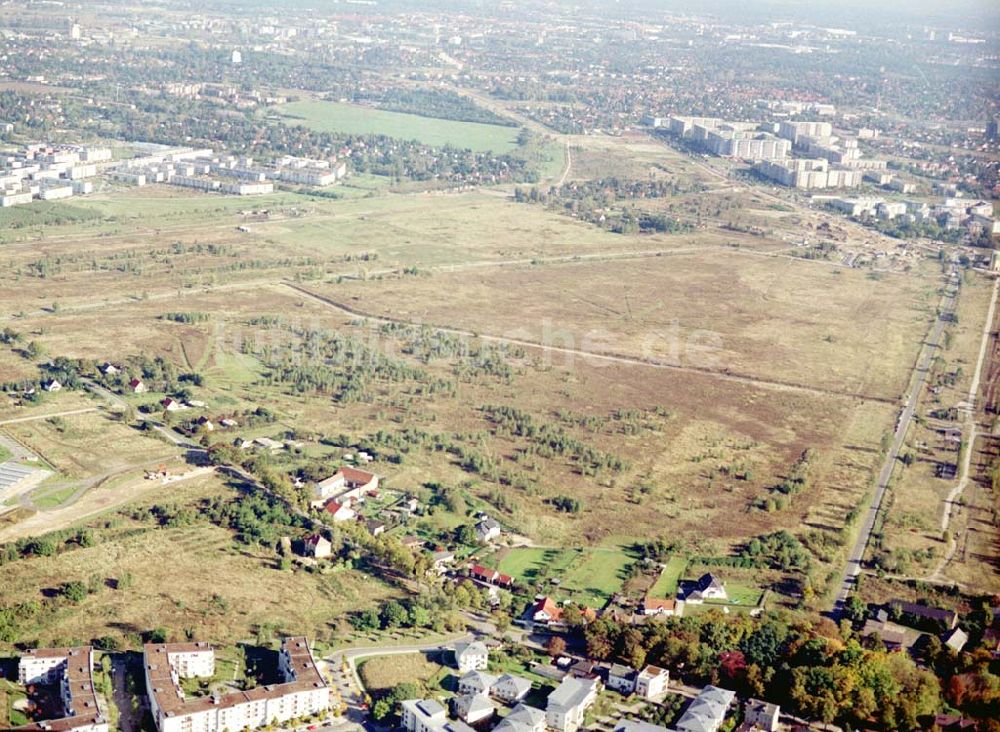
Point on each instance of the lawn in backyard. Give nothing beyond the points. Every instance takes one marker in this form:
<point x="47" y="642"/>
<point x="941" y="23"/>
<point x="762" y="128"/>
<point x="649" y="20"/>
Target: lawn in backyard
<point x="670" y="575"/>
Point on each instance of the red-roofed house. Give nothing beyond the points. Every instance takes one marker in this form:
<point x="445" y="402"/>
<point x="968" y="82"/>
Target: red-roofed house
<point x="339" y="511"/>
<point x="490" y="576"/>
<point x="659" y="606"/>
<point x="546" y="611"/>
<point x="137" y="386"/>
<point x="346" y="484"/>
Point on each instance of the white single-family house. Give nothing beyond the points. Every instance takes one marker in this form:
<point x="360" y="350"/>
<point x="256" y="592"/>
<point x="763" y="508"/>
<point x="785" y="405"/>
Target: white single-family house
<point x="476" y="682"/>
<point x="568" y="704"/>
<point x="621" y="678"/>
<point x="761" y="715"/>
<point x="472" y="708"/>
<point x="652" y="681"/>
<point x="487" y="530"/>
<point x="318" y="546"/>
<point x="471" y="656"/>
<point x="510" y="688"/>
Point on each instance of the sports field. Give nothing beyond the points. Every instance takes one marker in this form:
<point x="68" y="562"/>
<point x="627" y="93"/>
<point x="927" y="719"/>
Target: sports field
<point x="358" y="120"/>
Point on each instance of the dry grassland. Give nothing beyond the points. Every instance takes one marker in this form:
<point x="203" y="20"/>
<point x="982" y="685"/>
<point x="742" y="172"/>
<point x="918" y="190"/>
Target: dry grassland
<point x="110" y="262"/>
<point x="913" y="538"/>
<point x="382" y="673"/>
<point x="90" y="444"/>
<point x="779" y="319"/>
<point x="713" y="424"/>
<point x="192" y="578"/>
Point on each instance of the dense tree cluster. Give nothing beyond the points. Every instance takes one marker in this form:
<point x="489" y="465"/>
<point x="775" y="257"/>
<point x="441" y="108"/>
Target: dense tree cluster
<point x="431" y="103"/>
<point x="813" y="669"/>
<point x="596" y="202"/>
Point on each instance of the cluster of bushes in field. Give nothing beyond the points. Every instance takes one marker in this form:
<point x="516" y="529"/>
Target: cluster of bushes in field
<point x="546" y="440"/>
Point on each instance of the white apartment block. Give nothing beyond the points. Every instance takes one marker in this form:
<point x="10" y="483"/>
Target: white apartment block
<point x="808" y="173"/>
<point x="54" y="193"/>
<point x="72" y="669"/>
<point x="41" y="666"/>
<point x="568" y="704"/>
<point x="427" y="715"/>
<point x="746" y="144"/>
<point x="303" y="693"/>
<point x="795" y="130"/>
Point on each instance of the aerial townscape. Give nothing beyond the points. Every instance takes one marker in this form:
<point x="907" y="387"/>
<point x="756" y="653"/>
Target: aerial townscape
<point x="517" y="366"/>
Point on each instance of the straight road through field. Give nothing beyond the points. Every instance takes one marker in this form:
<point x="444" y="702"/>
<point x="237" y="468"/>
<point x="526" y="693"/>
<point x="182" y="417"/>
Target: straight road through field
<point x="853" y="568"/>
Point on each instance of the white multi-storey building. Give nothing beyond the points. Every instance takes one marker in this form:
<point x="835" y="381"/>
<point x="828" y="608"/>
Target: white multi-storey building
<point x="427" y="715"/>
<point x="795" y="130"/>
<point x="303" y="693"/>
<point x="72" y="669"/>
<point x="568" y="704"/>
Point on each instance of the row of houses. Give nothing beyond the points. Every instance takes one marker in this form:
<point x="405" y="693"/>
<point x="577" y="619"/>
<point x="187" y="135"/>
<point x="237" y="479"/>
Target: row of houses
<point x="241" y="176"/>
<point x="565" y="710"/>
<point x="567" y="706"/>
<point x="951" y="213"/>
<point x="546" y="613"/>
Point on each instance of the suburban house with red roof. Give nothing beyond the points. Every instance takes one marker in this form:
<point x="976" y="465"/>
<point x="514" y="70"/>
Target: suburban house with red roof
<point x="490" y="576"/>
<point x="339" y="511"/>
<point x="545" y="611"/>
<point x="659" y="606"/>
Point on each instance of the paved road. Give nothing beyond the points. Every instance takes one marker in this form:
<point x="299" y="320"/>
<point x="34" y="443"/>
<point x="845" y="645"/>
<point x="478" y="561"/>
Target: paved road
<point x="853" y="568"/>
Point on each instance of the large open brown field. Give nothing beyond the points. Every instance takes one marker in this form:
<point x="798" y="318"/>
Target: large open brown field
<point x="776" y="354"/>
<point x="779" y="319"/>
<point x="180" y="243"/>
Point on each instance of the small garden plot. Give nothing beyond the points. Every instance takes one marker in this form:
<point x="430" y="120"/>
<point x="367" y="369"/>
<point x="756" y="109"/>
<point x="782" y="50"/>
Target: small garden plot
<point x="670" y="575"/>
<point x="586" y="576"/>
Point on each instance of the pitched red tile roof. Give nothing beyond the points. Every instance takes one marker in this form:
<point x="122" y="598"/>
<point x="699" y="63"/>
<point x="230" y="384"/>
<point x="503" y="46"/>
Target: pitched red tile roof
<point x="548" y="605"/>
